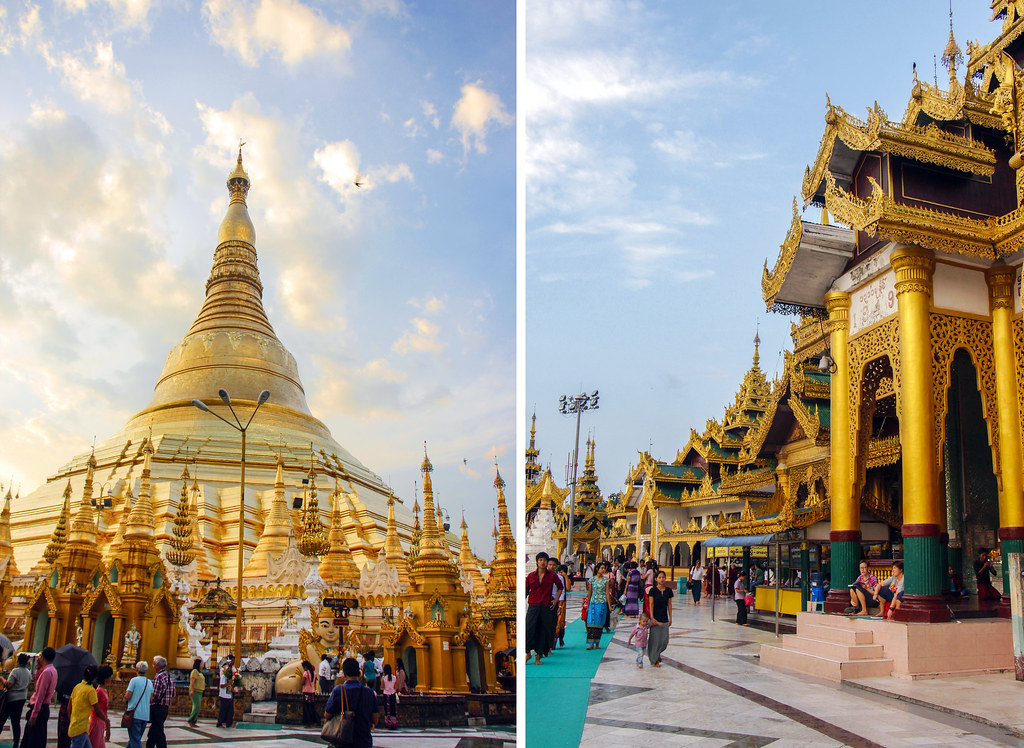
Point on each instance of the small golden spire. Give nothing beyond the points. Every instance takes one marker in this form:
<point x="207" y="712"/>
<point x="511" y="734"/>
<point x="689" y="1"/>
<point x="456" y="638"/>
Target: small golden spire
<point x="141" y="521"/>
<point x="313" y="541"/>
<point x="84" y="527"/>
<point x="951" y="55"/>
<point x="392" y="545"/>
<point x="338" y="565"/>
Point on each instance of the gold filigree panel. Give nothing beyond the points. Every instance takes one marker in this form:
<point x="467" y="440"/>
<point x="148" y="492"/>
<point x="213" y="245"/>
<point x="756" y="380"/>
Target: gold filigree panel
<point x="975" y="336"/>
<point x="879" y="349"/>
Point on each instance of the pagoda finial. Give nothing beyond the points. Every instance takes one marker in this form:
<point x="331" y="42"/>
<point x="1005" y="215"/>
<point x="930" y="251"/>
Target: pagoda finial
<point x="181" y="551"/>
<point x="951" y="55"/>
<point x="141" y="521"/>
<point x="504" y="544"/>
<point x="757" y="345"/>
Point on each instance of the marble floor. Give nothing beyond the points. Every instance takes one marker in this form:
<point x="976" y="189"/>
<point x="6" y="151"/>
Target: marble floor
<point x="178" y="733"/>
<point x="712" y="690"/>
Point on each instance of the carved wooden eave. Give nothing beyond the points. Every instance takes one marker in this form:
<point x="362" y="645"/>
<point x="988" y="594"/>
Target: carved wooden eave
<point x="756" y="436"/>
<point x="982" y="59"/>
<point x="964" y="102"/>
<point x="42" y="590"/>
<point x="805" y="386"/>
<point x="809" y="422"/>
<point x="810" y="258"/>
<point x="407" y="626"/>
<point x="747" y="480"/>
<point x="847" y="137"/>
<point x="879" y="215"/>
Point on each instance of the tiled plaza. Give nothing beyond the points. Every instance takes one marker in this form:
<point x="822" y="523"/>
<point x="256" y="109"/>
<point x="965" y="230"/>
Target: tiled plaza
<point x="712" y="690"/>
<point x="178" y="733"/>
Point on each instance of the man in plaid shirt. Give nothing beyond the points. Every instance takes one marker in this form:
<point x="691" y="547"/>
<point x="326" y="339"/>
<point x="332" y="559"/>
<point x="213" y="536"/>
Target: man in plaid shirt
<point x="159" y="703"/>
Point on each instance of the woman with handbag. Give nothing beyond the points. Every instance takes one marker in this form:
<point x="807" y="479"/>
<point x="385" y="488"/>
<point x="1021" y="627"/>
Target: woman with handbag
<point x="16" y="691"/>
<point x="309" y="718"/>
<point x="351" y="711"/>
<point x="136" y="711"/>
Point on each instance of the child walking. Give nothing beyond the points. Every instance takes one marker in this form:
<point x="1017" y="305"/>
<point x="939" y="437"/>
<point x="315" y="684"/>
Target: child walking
<point x="640" y="634"/>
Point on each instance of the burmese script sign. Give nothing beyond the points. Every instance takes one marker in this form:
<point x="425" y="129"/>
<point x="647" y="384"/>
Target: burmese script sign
<point x="873" y="302"/>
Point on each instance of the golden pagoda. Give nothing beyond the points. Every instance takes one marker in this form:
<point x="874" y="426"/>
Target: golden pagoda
<point x="500" y="601"/>
<point x="468" y="561"/>
<point x="230" y="345"/>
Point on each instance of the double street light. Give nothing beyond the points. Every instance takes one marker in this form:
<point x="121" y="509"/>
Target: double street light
<point x="575" y="405"/>
<point x="237" y="426"/>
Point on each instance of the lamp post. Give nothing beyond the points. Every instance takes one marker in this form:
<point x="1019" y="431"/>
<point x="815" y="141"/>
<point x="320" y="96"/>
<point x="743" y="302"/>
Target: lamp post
<point x="237" y="426"/>
<point x="569" y="405"/>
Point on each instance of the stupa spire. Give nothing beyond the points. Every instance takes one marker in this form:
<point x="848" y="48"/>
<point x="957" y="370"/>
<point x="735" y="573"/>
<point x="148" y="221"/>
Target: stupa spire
<point x="468" y="560"/>
<point x="274" y="538"/>
<point x="338" y="565"/>
<point x="141" y="520"/>
<point x="430" y="545"/>
<point x="392" y="545"/>
<point x="5" y="534"/>
<point x="84" y="529"/>
<point x="505" y="546"/>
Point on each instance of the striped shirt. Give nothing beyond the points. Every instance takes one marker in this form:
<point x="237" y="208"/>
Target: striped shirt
<point x="163" y="689"/>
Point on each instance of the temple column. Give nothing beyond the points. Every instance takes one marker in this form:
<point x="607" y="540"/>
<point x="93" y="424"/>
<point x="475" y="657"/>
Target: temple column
<point x="844" y="534"/>
<point x="922" y="505"/>
<point x="1000" y="279"/>
<point x="459" y="672"/>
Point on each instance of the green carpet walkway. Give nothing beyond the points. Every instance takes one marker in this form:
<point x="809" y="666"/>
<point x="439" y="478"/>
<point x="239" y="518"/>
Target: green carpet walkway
<point x="558" y="690"/>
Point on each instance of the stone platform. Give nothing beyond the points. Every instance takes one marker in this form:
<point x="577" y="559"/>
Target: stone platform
<point x="415" y="711"/>
<point x="842" y="648"/>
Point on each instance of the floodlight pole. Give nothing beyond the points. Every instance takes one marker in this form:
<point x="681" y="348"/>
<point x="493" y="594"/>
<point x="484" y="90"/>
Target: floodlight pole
<point x="568" y="405"/>
<point x="237" y="426"/>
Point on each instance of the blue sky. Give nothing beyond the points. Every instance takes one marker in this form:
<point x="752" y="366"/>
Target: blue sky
<point x="119" y="122"/>
<point x="665" y="142"/>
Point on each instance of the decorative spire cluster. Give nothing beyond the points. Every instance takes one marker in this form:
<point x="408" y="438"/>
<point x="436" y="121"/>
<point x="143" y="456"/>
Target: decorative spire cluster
<point x="532" y="453"/>
<point x="338" y="565"/>
<point x="182" y="549"/>
<point x="393" y="552"/>
<point x="60" y="532"/>
<point x="313" y="542"/>
<point x="141" y="521"/>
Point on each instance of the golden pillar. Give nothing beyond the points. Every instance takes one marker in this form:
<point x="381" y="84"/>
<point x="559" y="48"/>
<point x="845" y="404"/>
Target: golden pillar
<point x="844" y="534"/>
<point x="922" y="503"/>
<point x="1000" y="279"/>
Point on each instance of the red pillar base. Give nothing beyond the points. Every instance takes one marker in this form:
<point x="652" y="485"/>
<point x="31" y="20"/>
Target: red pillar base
<point x="922" y="609"/>
<point x="837" y="600"/>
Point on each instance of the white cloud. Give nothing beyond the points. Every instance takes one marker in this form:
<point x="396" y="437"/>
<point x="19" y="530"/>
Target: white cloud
<point x="420" y="339"/>
<point x="431" y="304"/>
<point x="682" y="145"/>
<point x="434" y="156"/>
<point x="127" y="13"/>
<point x="285" y="28"/>
<point x="103" y="83"/>
<point x="412" y="128"/>
<point x="430" y="112"/>
<point x="339" y="166"/>
<point x="475" y="112"/>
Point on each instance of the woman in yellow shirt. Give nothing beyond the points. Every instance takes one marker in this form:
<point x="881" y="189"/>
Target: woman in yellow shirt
<point x="196" y="686"/>
<point x="84" y="702"/>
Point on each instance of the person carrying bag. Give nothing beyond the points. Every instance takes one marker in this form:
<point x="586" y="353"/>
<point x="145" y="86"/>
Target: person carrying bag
<point x="351" y="711"/>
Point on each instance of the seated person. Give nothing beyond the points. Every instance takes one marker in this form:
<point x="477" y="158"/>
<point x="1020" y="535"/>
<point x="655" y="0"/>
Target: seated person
<point x="983" y="571"/>
<point x="862" y="590"/>
<point x="891" y="590"/>
<point x="956" y="583"/>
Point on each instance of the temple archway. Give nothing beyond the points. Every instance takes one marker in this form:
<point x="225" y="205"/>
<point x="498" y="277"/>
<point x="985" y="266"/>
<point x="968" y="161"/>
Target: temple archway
<point x="682" y="554"/>
<point x="102" y="635"/>
<point x="41" y="633"/>
<point x="409" y="660"/>
<point x="475" y="665"/>
<point x="665" y="555"/>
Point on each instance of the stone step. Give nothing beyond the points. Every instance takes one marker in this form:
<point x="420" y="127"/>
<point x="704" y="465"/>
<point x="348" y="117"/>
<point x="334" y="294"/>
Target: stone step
<point x="823" y="667"/>
<point x="831" y="649"/>
<point x="838" y="621"/>
<point x="837" y="634"/>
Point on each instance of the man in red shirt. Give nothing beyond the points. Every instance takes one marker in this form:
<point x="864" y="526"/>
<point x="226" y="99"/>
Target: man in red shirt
<point x="542" y="608"/>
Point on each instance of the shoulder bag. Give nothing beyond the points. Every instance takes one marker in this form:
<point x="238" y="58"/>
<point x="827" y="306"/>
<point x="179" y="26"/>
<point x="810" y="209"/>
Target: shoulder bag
<point x="340" y="729"/>
<point x="129" y="714"/>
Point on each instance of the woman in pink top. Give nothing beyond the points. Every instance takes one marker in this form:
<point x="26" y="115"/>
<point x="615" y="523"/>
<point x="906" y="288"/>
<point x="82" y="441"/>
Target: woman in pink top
<point x="390" y="683"/>
<point x="99" y="731"/>
<point x="310" y="718"/>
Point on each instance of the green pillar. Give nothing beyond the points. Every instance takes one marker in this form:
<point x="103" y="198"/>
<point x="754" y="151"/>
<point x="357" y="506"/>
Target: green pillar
<point x="921" y="554"/>
<point x="805" y="576"/>
<point x="1006" y="547"/>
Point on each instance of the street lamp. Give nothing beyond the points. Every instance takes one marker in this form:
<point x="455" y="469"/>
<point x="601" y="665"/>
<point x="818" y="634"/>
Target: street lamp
<point x="237" y="426"/>
<point x="569" y="405"/>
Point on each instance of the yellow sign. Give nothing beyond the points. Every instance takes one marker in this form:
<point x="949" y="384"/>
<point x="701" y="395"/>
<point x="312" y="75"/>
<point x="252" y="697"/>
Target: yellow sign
<point x="759" y="551"/>
<point x="721" y="551"/>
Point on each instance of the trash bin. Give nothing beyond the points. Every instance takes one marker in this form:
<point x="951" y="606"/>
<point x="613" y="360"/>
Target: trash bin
<point x="680" y="585"/>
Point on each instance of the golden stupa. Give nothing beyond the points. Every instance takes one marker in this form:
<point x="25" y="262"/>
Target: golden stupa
<point x="230" y="345"/>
